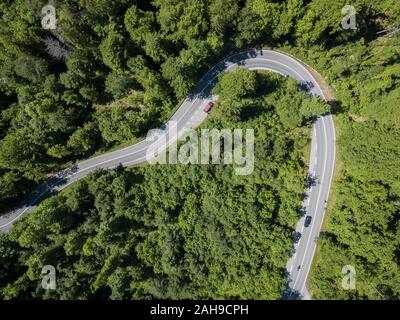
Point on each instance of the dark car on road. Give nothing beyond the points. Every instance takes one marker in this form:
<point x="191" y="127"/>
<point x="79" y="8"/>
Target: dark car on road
<point x="307" y="222"/>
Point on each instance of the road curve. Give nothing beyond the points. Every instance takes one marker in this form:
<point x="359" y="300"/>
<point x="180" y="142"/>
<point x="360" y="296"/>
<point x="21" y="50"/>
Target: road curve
<point x="190" y="114"/>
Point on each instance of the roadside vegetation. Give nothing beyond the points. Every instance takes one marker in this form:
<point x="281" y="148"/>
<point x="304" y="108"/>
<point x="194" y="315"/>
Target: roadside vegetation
<point x="129" y="64"/>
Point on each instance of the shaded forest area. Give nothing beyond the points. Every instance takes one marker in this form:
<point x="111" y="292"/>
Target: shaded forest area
<point x="129" y="63"/>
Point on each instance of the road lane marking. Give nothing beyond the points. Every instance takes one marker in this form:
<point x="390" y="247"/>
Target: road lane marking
<point x="316" y="209"/>
<point x="327" y="196"/>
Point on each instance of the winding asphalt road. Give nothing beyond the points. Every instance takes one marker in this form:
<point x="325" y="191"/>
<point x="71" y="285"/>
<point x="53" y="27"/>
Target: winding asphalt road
<point x="190" y="114"/>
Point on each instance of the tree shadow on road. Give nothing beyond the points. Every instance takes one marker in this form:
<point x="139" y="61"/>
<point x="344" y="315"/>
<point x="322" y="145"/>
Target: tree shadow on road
<point x="204" y="87"/>
<point x="288" y="292"/>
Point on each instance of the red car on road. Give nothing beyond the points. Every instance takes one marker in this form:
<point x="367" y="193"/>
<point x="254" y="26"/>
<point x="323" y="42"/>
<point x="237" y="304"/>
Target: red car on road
<point x="208" y="106"/>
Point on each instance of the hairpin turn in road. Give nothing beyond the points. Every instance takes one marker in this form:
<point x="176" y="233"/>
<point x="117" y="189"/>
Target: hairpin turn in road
<point x="189" y="115"/>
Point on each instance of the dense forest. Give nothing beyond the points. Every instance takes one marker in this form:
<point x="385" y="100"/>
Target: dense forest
<point x="177" y="231"/>
<point x="113" y="69"/>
